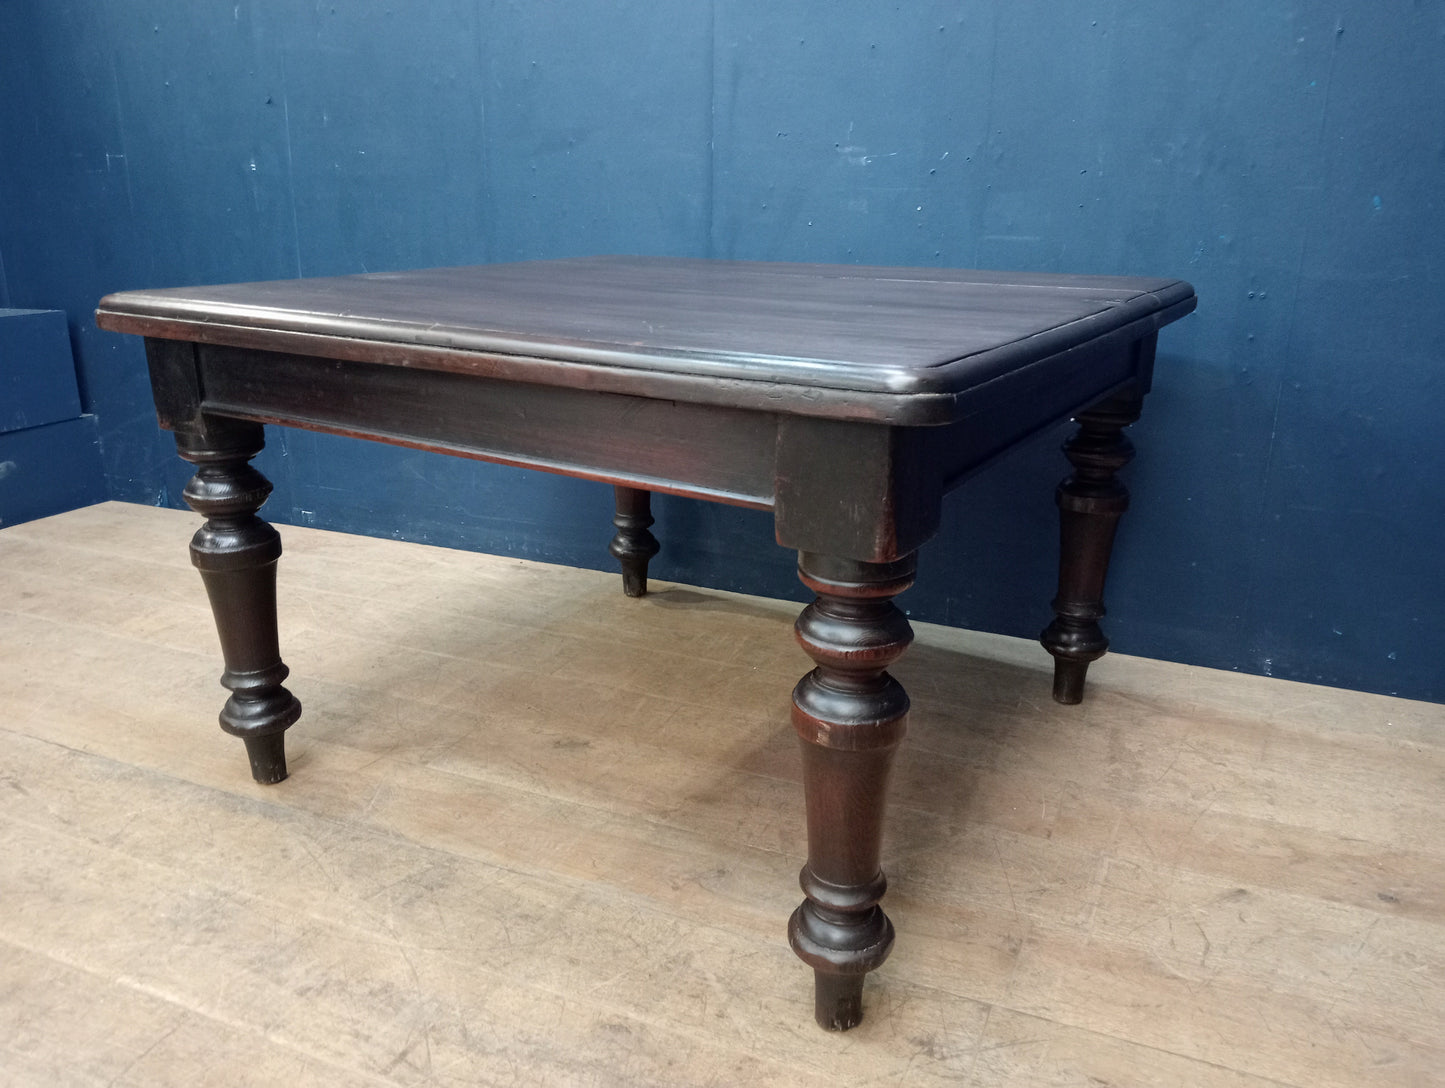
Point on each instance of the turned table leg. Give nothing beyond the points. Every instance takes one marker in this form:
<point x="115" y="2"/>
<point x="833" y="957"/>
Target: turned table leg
<point x="850" y="715"/>
<point x="1091" y="502"/>
<point x="236" y="553"/>
<point x="633" y="546"/>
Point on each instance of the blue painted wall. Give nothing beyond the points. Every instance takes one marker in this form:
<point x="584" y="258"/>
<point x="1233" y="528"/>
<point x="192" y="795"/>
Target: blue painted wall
<point x="1286" y="157"/>
<point x="49" y="450"/>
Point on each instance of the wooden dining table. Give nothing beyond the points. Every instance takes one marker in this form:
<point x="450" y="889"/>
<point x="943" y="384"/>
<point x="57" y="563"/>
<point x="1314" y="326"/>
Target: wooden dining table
<point x="846" y="400"/>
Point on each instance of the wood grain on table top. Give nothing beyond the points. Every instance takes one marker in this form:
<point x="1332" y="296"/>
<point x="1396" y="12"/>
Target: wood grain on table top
<point x="898" y="331"/>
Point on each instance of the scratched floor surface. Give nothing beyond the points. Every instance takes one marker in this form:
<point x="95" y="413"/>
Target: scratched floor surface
<point x="540" y="834"/>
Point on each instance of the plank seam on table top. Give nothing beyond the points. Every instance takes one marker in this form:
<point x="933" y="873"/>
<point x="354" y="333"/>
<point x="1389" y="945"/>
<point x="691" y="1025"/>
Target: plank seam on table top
<point x="521" y="347"/>
<point x="924" y="408"/>
<point x="860" y="359"/>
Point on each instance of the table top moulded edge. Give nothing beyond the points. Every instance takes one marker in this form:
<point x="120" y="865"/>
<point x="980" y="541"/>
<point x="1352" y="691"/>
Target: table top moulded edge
<point x="933" y="392"/>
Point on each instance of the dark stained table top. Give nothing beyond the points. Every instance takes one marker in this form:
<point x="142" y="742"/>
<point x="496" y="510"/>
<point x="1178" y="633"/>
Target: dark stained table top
<point x="873" y="334"/>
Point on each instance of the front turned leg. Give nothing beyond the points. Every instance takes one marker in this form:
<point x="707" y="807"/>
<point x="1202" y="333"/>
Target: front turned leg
<point x="1091" y="502"/>
<point x="633" y="546"/>
<point x="850" y="715"/>
<point x="236" y="553"/>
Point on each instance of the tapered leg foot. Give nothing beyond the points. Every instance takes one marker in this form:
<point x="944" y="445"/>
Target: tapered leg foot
<point x="1091" y="501"/>
<point x="236" y="553"/>
<point x="850" y="716"/>
<point x="633" y="546"/>
<point x="1069" y="681"/>
<point x="268" y="757"/>
<point x="838" y="1000"/>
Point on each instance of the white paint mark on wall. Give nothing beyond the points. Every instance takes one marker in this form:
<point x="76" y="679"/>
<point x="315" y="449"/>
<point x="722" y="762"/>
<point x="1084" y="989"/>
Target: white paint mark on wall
<point x="290" y="166"/>
<point x="859" y="156"/>
<point x="120" y="133"/>
<point x="856" y="154"/>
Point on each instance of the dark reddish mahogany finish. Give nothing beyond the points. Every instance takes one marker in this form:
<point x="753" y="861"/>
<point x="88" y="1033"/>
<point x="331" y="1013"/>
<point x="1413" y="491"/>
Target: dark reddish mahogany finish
<point x="846" y="400"/>
<point x="850" y="715"/>
<point x="633" y="546"/>
<point x="1091" y="501"/>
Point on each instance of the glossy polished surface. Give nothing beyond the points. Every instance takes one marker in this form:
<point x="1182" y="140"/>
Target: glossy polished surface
<point x="799" y="327"/>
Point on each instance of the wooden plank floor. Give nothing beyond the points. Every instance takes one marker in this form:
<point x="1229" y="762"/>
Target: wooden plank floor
<point x="540" y="834"/>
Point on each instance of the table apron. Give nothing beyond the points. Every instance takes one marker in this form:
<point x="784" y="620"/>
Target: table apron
<point x="718" y="454"/>
<point x="1003" y="413"/>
